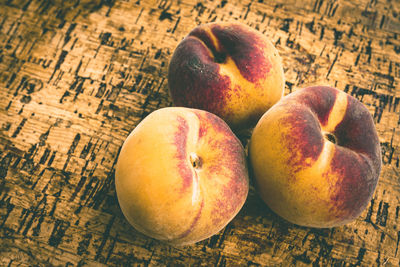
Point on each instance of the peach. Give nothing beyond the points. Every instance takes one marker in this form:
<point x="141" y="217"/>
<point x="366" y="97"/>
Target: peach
<point x="181" y="175"/>
<point x="229" y="69"/>
<point x="316" y="157"/>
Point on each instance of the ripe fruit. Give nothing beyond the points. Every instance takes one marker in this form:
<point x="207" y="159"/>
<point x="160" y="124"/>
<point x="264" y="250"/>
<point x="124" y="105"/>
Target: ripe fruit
<point x="316" y="157"/>
<point x="181" y="175"/>
<point x="228" y="69"/>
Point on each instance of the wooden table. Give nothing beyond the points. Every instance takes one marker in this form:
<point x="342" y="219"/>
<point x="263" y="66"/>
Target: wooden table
<point x="77" y="76"/>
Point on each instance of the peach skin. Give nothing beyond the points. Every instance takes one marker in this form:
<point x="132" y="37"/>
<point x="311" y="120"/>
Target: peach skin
<point x="181" y="175"/>
<point x="229" y="69"/>
<point x="316" y="157"/>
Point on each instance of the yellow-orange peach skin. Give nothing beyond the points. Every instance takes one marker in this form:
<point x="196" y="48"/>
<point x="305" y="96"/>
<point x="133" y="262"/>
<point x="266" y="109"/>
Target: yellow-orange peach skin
<point x="181" y="175"/>
<point x="229" y="69"/>
<point x="316" y="157"/>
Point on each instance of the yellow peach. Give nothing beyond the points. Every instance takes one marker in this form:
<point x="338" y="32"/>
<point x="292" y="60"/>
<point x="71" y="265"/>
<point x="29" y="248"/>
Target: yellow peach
<point x="229" y="69"/>
<point x="181" y="175"/>
<point x="316" y="157"/>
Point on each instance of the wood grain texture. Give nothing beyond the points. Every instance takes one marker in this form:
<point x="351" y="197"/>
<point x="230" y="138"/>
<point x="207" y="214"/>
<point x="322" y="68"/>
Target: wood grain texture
<point x="77" y="76"/>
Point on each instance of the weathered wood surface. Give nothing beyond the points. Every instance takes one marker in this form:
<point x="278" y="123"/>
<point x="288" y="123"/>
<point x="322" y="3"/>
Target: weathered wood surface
<point x="77" y="76"/>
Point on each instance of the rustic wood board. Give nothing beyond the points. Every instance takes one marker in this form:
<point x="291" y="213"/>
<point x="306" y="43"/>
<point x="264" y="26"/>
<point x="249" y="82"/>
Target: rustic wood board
<point x="77" y="76"/>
